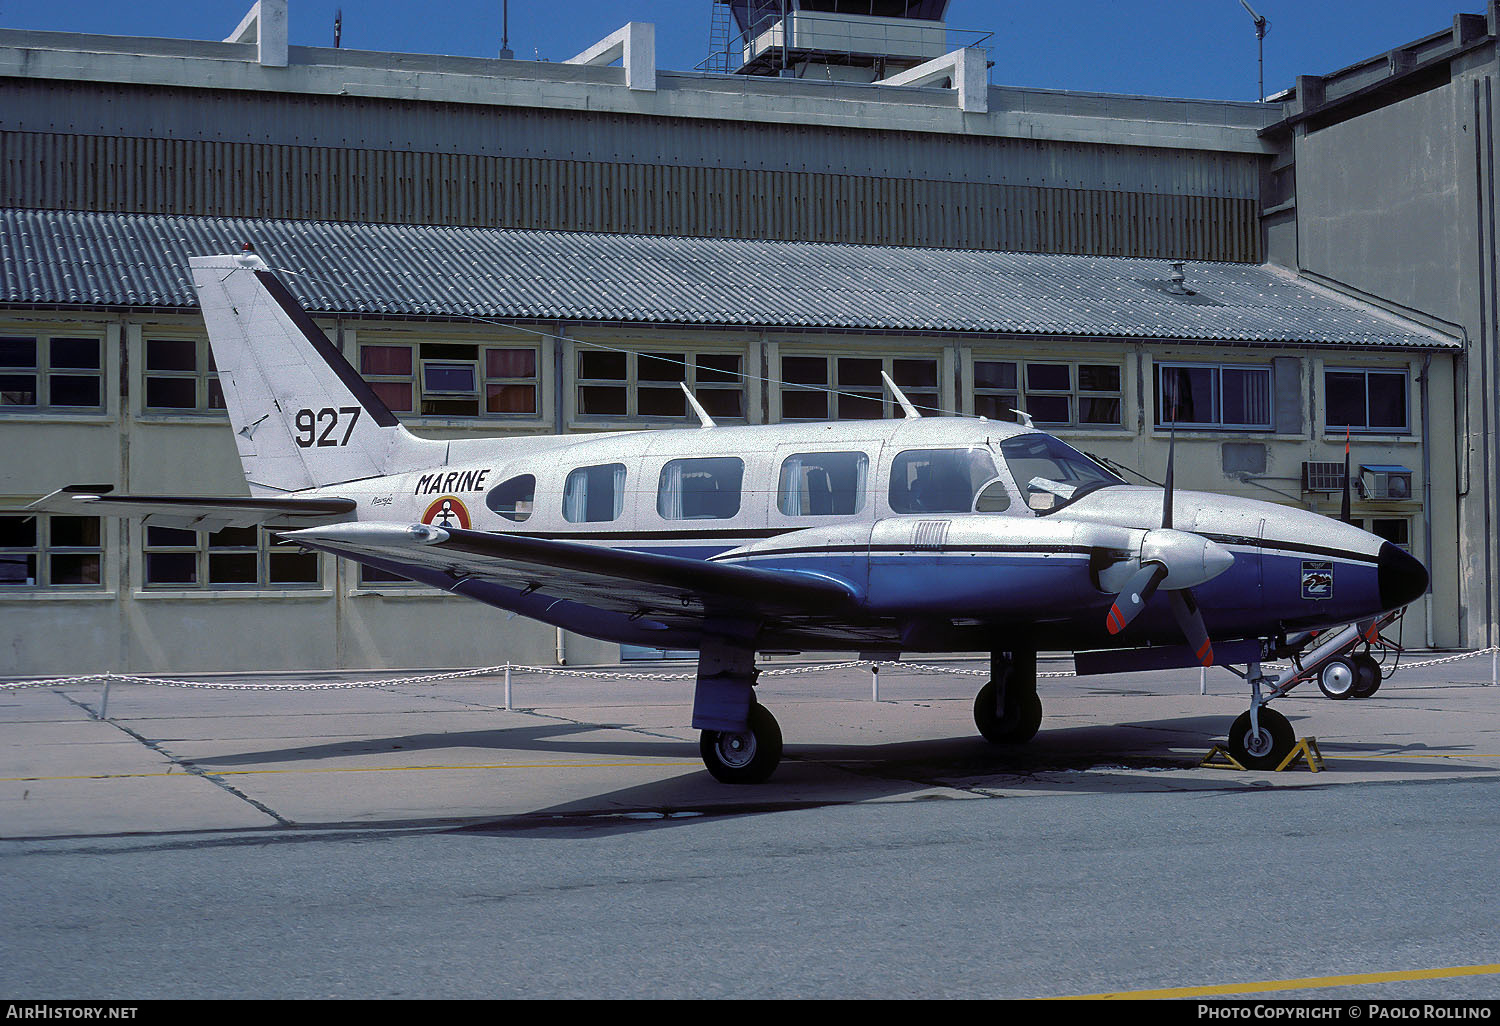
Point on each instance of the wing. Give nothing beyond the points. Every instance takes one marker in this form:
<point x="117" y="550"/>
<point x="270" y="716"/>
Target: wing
<point x="668" y="591"/>
<point x="193" y="513"/>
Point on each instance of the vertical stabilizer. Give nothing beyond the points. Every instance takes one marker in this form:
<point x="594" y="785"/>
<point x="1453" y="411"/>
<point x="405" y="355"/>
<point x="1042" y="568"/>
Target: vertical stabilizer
<point x="302" y="416"/>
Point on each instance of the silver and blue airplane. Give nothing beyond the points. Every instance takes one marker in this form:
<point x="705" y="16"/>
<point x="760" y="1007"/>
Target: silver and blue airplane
<point x="918" y="535"/>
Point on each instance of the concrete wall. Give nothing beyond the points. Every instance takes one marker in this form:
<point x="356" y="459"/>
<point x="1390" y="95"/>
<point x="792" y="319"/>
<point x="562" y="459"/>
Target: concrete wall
<point x="1395" y="201"/>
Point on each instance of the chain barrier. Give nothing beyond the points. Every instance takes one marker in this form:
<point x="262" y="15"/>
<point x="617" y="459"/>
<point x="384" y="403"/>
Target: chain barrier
<point x="558" y="671"/>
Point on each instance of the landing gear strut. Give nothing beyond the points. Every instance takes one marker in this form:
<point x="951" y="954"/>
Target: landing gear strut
<point x="1007" y="710"/>
<point x="1260" y="737"/>
<point x="740" y="741"/>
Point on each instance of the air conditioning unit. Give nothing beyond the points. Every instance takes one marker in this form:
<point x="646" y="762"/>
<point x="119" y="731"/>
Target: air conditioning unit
<point x="1322" y="477"/>
<point x="1385" y="481"/>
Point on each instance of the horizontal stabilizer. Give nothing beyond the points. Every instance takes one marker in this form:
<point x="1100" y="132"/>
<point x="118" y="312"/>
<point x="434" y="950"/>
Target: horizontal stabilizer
<point x="194" y="513"/>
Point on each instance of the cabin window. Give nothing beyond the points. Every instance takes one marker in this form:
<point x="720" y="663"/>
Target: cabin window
<point x="850" y="387"/>
<point x="939" y="480"/>
<point x="43" y="551"/>
<point x="1081" y="394"/>
<point x="1207" y="395"/>
<point x="1366" y="400"/>
<point x="513" y="499"/>
<point x="700" y="489"/>
<point x="594" y="495"/>
<point x="1050" y="472"/>
<point x="820" y="484"/>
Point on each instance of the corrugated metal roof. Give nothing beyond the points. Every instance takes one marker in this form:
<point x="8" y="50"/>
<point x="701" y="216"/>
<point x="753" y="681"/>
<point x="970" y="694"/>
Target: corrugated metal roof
<point x="52" y="258"/>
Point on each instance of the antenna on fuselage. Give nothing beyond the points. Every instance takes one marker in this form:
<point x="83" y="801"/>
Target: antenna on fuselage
<point x="703" y="417"/>
<point x="906" y="406"/>
<point x="1025" y="418"/>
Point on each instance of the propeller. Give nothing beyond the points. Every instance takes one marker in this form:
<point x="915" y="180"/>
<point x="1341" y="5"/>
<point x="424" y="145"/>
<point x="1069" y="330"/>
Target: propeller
<point x="1344" y="511"/>
<point x="1179" y="559"/>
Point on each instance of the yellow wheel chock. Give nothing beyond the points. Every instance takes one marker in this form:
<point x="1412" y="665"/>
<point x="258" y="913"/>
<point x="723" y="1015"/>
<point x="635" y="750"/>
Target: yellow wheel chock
<point x="1218" y="757"/>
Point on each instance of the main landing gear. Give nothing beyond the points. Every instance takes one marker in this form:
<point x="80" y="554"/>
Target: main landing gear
<point x="1007" y="710"/>
<point x="740" y="740"/>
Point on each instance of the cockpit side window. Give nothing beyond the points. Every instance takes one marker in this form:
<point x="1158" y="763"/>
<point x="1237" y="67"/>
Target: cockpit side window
<point x="513" y="499"/>
<point x="594" y="495"/>
<point x="819" y="484"/>
<point x="700" y="489"/>
<point x="1051" y="472"/>
<point x="939" y="480"/>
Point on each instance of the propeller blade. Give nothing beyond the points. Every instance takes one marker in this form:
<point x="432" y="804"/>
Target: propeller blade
<point x="1190" y="619"/>
<point x="1166" y="501"/>
<point x="1344" y="512"/>
<point x="1137" y="592"/>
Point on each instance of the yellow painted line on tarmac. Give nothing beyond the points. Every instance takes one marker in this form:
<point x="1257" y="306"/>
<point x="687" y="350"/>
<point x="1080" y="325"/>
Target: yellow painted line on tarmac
<point x="1306" y="983"/>
<point x="352" y="769"/>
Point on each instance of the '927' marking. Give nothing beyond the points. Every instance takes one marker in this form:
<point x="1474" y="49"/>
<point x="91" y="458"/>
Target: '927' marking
<point x="320" y="428"/>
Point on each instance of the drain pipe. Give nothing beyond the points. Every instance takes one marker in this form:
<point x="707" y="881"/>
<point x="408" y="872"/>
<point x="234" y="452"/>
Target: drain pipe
<point x="1426" y="499"/>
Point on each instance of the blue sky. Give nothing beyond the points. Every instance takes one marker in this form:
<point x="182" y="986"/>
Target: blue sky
<point x="1198" y="48"/>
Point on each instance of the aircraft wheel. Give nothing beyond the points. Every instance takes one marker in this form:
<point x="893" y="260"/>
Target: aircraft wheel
<point x="1266" y="749"/>
<point x="1018" y="726"/>
<point x="1338" y="678"/>
<point x="1367" y="682"/>
<point x="743" y="758"/>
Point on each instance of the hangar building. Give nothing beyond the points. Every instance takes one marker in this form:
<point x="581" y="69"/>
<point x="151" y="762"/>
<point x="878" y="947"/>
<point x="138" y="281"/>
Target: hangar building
<point x="504" y="246"/>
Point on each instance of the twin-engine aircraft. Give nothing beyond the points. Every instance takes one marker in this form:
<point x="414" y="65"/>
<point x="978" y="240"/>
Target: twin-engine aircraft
<point x="935" y="534"/>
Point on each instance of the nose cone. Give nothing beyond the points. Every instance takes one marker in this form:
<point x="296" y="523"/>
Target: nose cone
<point x="1403" y="578"/>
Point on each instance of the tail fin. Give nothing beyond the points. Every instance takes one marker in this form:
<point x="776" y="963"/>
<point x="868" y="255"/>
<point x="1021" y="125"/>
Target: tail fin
<point x="302" y="416"/>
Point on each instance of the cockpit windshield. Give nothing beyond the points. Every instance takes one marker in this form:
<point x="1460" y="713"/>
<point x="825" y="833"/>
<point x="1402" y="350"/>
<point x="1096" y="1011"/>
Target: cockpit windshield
<point x="1052" y="473"/>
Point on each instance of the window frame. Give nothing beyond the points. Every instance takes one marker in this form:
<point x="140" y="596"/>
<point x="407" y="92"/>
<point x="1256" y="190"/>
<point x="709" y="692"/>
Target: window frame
<point x="927" y="398"/>
<point x="1075" y="394"/>
<point x="203" y="551"/>
<point x="44" y="369"/>
<point x="415" y="379"/>
<point x="1404" y="373"/>
<point x="204" y="376"/>
<point x="45" y="548"/>
<point x="1216" y="399"/>
<point x="700" y="379"/>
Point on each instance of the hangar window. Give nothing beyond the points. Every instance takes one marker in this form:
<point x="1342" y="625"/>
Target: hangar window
<point x="819" y="484"/>
<point x="40" y="373"/>
<point x="939" y="480"/>
<point x="644" y="385"/>
<point x="594" y="495"/>
<point x="453" y="379"/>
<point x="700" y="489"/>
<point x="850" y="388"/>
<point x="181" y="377"/>
<point x="1052" y="393"/>
<point x="1366" y="400"/>
<point x="50" y="551"/>
<point x="236" y="557"/>
<point x="1210" y="395"/>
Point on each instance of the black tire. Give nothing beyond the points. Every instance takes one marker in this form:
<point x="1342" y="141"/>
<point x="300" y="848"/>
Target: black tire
<point x="1269" y="748"/>
<point x="743" y="758"/>
<point x="1338" y="677"/>
<point x="1368" y="681"/>
<point x="1020" y="724"/>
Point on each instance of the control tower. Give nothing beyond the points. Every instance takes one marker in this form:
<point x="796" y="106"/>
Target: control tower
<point x="843" y="40"/>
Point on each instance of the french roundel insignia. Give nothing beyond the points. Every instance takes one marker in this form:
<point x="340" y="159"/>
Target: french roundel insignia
<point x="449" y="511"/>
